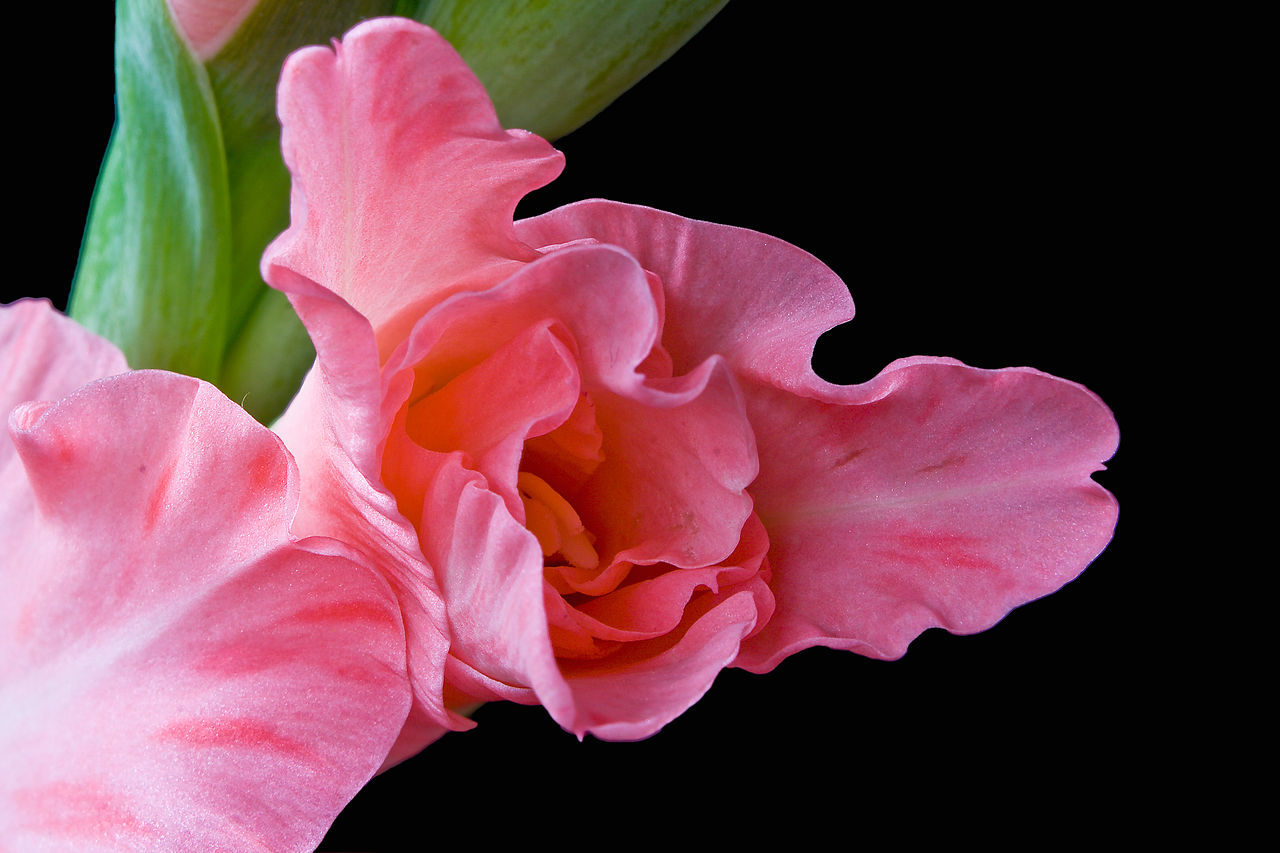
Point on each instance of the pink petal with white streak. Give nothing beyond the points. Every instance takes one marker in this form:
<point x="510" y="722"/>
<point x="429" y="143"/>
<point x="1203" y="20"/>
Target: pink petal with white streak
<point x="179" y="673"/>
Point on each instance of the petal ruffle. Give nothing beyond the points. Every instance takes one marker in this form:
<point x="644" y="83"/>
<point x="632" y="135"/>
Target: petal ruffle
<point x="180" y="673"/>
<point x="757" y="301"/>
<point x="399" y="201"/>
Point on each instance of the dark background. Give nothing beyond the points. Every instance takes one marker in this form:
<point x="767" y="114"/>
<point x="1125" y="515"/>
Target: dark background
<point x="980" y="183"/>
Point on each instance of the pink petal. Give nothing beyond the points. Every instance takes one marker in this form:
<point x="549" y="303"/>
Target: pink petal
<point x="490" y="572"/>
<point x="45" y="356"/>
<point x="404" y="183"/>
<point x="335" y="428"/>
<point x="380" y="187"/>
<point x="179" y="673"/>
<point x="656" y="606"/>
<point x="528" y="387"/>
<point x="934" y="495"/>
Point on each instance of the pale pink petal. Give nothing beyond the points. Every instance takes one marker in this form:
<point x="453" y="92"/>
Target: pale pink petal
<point x="397" y="202"/>
<point x="179" y="673"/>
<point x="490" y="572"/>
<point x="598" y="295"/>
<point x="404" y="183"/>
<point x="935" y="495"/>
<point x="489" y="567"/>
<point x="208" y="24"/>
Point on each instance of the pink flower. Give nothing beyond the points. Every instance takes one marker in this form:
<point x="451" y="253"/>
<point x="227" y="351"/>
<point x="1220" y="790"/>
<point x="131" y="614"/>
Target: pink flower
<point x="596" y="435"/>
<point x="176" y="671"/>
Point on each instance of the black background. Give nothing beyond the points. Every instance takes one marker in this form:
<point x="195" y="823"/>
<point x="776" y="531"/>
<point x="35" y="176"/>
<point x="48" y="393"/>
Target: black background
<point x="979" y="181"/>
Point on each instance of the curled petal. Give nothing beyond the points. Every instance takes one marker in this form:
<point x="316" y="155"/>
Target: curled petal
<point x="44" y="356"/>
<point x="648" y="684"/>
<point x="669" y="487"/>
<point x="179" y="672"/>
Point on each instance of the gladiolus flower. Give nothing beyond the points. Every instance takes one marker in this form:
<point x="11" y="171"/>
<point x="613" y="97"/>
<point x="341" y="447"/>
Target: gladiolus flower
<point x="597" y="435"/>
<point x="176" y="671"/>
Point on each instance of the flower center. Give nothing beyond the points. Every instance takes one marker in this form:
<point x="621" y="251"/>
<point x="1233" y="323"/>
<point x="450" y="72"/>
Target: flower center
<point x="558" y="528"/>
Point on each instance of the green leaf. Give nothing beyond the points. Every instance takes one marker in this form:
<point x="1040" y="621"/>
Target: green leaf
<point x="550" y="65"/>
<point x="268" y="350"/>
<point x="154" y="267"/>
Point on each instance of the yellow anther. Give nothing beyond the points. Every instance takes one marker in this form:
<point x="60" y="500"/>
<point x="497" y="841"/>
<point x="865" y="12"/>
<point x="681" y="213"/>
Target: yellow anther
<point x="558" y="528"/>
<point x="578" y="550"/>
<point x="542" y="524"/>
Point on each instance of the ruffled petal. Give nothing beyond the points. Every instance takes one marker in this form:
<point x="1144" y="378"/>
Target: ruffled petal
<point x="672" y="486"/>
<point x="404" y="182"/>
<point x="757" y="301"/>
<point x="179" y="673"/>
<point x="676" y="457"/>
<point x="935" y="495"/>
<point x="528" y="387"/>
<point x="678" y="452"/>
<point x="642" y="686"/>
